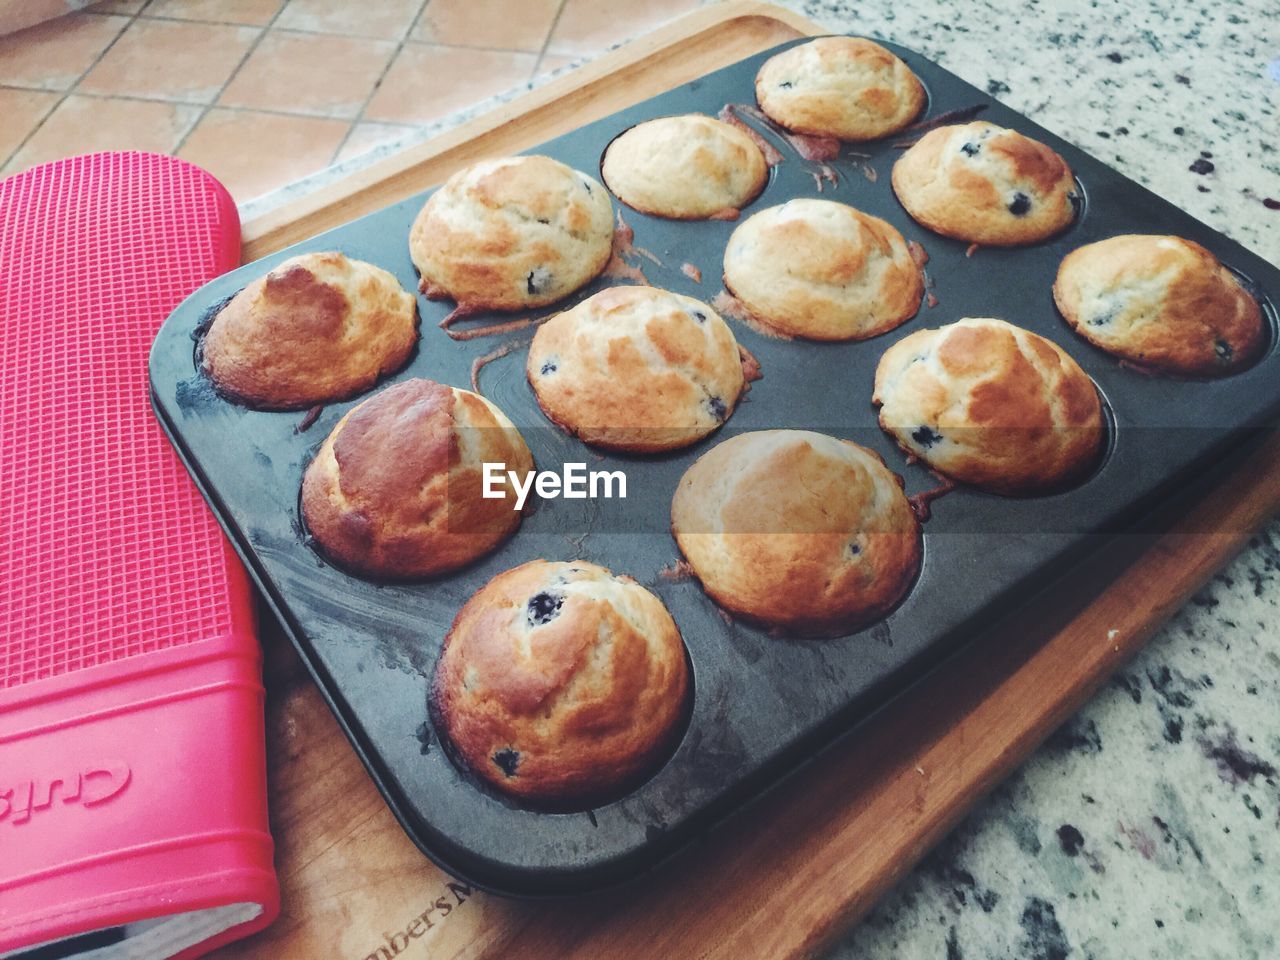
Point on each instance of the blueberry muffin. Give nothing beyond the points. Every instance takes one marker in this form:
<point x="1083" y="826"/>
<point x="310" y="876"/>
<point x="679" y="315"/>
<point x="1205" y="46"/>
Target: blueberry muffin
<point x="397" y="489"/>
<point x="798" y="531"/>
<point x="1161" y="302"/>
<point x="985" y="184"/>
<point x="561" y="683"/>
<point x="991" y="405"/>
<point x="689" y="167"/>
<point x="637" y="369"/>
<point x="319" y="327"/>
<point x="843" y="87"/>
<point x="822" y="270"/>
<point x="512" y="233"/>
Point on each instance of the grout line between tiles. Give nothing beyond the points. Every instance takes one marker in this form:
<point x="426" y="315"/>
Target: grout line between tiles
<point x="262" y="32"/>
<point x="377" y="84"/>
<point x="263" y="26"/>
<point x="546" y="42"/>
<point x="241" y="23"/>
<point x="142" y="14"/>
<point x="197" y="21"/>
<point x="467" y="46"/>
<point x="134" y="98"/>
<point x="406" y="39"/>
<point x="130" y="17"/>
<point x="303" y="31"/>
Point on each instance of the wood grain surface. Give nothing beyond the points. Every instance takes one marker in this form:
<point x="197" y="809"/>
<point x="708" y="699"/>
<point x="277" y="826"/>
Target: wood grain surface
<point x="785" y="876"/>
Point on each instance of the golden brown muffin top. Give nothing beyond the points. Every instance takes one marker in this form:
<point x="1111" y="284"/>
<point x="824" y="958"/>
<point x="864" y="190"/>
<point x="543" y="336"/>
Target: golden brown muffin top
<point x="986" y="184"/>
<point x="512" y="233"/>
<point x="394" y="446"/>
<point x="316" y="328"/>
<point x="824" y="270"/>
<point x="561" y="682"/>
<point x="396" y="490"/>
<point x="1162" y="302"/>
<point x="687" y="167"/>
<point x="637" y="368"/>
<point x="990" y="404"/>
<point x="849" y="88"/>
<point x="797" y="530"/>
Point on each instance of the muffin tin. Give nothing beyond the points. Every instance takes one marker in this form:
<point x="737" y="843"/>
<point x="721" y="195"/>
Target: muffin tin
<point x="760" y="704"/>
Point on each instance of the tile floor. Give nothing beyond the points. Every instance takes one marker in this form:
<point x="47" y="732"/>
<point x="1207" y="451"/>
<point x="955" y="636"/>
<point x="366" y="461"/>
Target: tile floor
<point x="264" y="92"/>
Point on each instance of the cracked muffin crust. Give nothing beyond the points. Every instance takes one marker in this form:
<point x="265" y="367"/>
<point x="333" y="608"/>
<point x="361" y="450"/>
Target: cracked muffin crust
<point x="688" y="167"/>
<point x="991" y="405"/>
<point x="843" y="87"/>
<point x="985" y="184"/>
<point x="1161" y="302"/>
<point x="636" y="369"/>
<point x="561" y="683"/>
<point x="822" y="270"/>
<point x="796" y="530"/>
<point x="319" y="327"/>
<point x="395" y="490"/>
<point x="512" y="233"/>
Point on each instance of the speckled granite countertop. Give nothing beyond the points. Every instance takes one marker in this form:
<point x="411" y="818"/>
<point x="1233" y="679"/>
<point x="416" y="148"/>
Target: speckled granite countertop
<point x="1149" y="826"/>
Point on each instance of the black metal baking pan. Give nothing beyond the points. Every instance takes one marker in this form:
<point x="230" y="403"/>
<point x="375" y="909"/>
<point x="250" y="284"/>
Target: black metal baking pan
<point x="761" y="704"/>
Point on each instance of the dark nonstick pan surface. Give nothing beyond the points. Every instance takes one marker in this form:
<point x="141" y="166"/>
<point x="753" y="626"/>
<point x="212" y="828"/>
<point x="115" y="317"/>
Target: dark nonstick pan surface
<point x="761" y="704"/>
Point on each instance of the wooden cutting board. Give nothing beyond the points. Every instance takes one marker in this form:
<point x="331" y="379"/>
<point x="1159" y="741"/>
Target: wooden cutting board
<point x="785" y="876"/>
